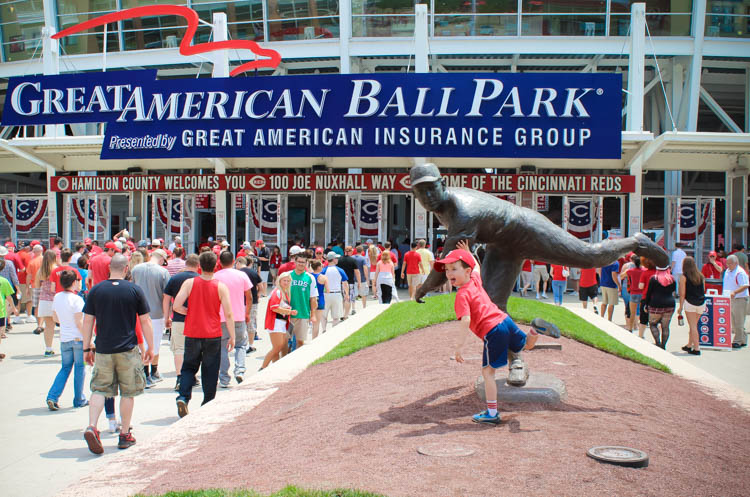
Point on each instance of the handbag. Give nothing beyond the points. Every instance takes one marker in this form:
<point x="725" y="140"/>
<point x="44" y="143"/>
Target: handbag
<point x="565" y="272"/>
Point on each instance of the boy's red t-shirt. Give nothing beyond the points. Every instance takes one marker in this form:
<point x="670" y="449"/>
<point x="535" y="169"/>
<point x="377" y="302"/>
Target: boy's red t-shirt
<point x="588" y="277"/>
<point x="413" y="260"/>
<point x="473" y="301"/>
<point x="526" y="266"/>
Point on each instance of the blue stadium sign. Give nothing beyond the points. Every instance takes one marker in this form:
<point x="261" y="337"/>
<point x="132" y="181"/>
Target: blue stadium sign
<point x="534" y="115"/>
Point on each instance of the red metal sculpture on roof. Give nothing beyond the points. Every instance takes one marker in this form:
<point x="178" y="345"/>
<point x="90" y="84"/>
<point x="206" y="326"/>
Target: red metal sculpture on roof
<point x="273" y="57"/>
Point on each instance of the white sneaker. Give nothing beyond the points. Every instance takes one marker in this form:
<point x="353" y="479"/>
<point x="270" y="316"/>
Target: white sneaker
<point x="30" y="320"/>
<point x="114" y="426"/>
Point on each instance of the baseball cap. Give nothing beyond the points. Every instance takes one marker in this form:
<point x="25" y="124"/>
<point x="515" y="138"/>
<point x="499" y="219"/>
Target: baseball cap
<point x="712" y="253"/>
<point x="369" y="240"/>
<point x="87" y="241"/>
<point x="319" y="250"/>
<point x="332" y="255"/>
<point x="177" y="239"/>
<point x="210" y="239"/>
<point x="423" y="173"/>
<point x="3" y="251"/>
<point x="453" y="256"/>
<point x="160" y="253"/>
<point x="35" y="242"/>
<point x="246" y="244"/>
<point x="295" y="250"/>
<point x="224" y="243"/>
<point x="156" y="242"/>
<point x="118" y="245"/>
<point x="258" y="243"/>
<point x="110" y="245"/>
<point x="10" y="244"/>
<point x="143" y="243"/>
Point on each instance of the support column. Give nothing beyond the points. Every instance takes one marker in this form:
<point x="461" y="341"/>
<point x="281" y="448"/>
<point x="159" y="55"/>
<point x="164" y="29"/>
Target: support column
<point x="345" y="35"/>
<point x="747" y="100"/>
<point x="635" y="199"/>
<point x="636" y="68"/>
<point x="220" y="70"/>
<point x="696" y="65"/>
<point x="51" y="67"/>
<point x="421" y="50"/>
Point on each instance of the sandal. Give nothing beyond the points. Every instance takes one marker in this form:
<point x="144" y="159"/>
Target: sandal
<point x="2" y="356"/>
<point x="39" y="331"/>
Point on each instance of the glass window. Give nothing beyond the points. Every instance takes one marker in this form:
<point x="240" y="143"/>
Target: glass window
<point x="383" y="17"/>
<point x="22" y="23"/>
<point x="564" y="18"/>
<point x="244" y="18"/>
<point x="663" y="17"/>
<point x="302" y="19"/>
<point x="485" y="18"/>
<point x="564" y="6"/>
<point x="730" y="18"/>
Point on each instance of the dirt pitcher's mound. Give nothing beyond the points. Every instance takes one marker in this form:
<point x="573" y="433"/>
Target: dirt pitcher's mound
<point x="358" y="422"/>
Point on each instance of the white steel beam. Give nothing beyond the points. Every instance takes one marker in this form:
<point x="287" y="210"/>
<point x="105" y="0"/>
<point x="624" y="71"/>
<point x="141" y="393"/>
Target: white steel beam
<point x="720" y="113"/>
<point x="220" y="70"/>
<point x="421" y="50"/>
<point x="345" y="34"/>
<point x="696" y="65"/>
<point x="591" y="66"/>
<point x="636" y="67"/>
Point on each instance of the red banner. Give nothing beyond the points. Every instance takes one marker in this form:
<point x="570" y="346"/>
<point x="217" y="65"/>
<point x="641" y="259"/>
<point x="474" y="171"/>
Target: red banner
<point x="371" y="182"/>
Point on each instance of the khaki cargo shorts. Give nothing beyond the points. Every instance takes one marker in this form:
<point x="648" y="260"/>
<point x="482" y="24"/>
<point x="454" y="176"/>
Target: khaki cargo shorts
<point x="25" y="292"/>
<point x="299" y="328"/>
<point x="121" y="372"/>
<point x="177" y="341"/>
<point x="610" y="296"/>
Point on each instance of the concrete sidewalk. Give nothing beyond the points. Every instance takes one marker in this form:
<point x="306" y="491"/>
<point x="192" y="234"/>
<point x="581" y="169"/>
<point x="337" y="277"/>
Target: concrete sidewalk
<point x="731" y="366"/>
<point x="44" y="451"/>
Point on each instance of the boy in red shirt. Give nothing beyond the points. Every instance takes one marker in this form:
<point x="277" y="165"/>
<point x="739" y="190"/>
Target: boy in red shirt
<point x="479" y="315"/>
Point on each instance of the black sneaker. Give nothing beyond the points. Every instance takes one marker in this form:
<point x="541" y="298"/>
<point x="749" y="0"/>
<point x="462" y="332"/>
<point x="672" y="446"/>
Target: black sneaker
<point x="238" y="379"/>
<point x="52" y="405"/>
<point x="126" y="440"/>
<point x="250" y="349"/>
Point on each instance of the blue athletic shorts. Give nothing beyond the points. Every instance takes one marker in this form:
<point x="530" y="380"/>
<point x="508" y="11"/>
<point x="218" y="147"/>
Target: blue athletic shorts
<point x="506" y="335"/>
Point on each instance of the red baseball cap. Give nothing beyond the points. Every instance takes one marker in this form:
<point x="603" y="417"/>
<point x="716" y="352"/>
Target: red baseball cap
<point x="110" y="245"/>
<point x="319" y="250"/>
<point x="35" y="242"/>
<point x="10" y="245"/>
<point x="453" y="256"/>
<point x="87" y="241"/>
<point x="713" y="253"/>
<point x="258" y="243"/>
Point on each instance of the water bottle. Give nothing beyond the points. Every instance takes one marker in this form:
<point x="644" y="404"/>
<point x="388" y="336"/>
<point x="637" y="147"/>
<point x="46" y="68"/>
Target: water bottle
<point x="680" y="320"/>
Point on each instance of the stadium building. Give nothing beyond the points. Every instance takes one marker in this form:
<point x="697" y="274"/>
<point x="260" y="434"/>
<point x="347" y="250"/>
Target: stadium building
<point x="681" y="174"/>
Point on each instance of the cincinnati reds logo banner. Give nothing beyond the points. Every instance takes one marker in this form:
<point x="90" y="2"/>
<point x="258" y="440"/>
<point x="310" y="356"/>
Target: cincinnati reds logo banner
<point x="582" y="218"/>
<point x="270" y="217"/>
<point x="87" y="217"/>
<point x="693" y="223"/>
<point x="27" y="215"/>
<point x="535" y="115"/>
<point x="368" y="217"/>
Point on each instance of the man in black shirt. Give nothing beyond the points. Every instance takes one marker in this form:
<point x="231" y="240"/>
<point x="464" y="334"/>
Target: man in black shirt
<point x="247" y="265"/>
<point x="115" y="304"/>
<point x="177" y="323"/>
<point x="263" y="257"/>
<point x="349" y="265"/>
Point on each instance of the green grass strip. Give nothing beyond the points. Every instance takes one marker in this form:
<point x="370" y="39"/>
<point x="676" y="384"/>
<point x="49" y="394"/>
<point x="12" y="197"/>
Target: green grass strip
<point x="289" y="491"/>
<point x="404" y="317"/>
<point x="398" y="319"/>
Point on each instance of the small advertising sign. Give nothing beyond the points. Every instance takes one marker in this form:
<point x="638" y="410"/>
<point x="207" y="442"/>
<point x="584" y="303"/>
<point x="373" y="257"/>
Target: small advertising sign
<point x="715" y="324"/>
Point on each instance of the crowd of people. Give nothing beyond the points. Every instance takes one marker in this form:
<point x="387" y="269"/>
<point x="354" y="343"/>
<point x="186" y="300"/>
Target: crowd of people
<point x="115" y="302"/>
<point x="652" y="295"/>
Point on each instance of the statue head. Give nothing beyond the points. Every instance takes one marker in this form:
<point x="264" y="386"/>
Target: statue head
<point x="428" y="186"/>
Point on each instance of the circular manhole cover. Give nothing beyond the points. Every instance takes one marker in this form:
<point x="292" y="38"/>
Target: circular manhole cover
<point x="621" y="456"/>
<point x="446" y="450"/>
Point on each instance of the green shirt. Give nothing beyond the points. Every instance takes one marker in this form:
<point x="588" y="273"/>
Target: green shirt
<point x="303" y="288"/>
<point x="5" y="290"/>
